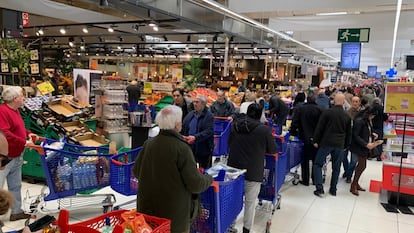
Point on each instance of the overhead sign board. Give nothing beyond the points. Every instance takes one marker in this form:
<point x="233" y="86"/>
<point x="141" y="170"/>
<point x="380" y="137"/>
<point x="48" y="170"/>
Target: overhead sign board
<point x="353" y="35"/>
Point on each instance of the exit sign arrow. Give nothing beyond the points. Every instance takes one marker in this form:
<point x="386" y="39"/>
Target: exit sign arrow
<point x="353" y="35"/>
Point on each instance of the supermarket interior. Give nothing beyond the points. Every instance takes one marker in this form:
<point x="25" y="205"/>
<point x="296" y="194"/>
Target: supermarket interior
<point x="327" y="88"/>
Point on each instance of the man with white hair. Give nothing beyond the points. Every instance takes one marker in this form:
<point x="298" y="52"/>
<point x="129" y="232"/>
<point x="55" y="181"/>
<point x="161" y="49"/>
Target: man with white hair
<point x="332" y="135"/>
<point x="198" y="125"/>
<point x="169" y="181"/>
<point x="11" y="123"/>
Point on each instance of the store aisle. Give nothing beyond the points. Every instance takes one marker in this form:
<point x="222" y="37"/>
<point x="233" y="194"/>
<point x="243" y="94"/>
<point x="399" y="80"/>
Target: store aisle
<point x="301" y="211"/>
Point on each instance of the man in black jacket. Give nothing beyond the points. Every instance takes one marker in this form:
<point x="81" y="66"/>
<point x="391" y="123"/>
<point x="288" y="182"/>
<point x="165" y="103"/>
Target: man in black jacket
<point x="332" y="135"/>
<point x="278" y="111"/>
<point x="303" y="125"/>
<point x="249" y="140"/>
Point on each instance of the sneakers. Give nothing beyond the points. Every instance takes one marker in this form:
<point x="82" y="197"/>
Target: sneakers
<point x="304" y="183"/>
<point x="318" y="193"/>
<point x="15" y="217"/>
<point x="333" y="193"/>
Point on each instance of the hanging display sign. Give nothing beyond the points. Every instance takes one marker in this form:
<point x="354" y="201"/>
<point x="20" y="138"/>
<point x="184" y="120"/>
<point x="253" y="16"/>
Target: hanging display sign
<point x="177" y="72"/>
<point x="45" y="88"/>
<point x="399" y="98"/>
<point x="153" y="86"/>
<point x="141" y="71"/>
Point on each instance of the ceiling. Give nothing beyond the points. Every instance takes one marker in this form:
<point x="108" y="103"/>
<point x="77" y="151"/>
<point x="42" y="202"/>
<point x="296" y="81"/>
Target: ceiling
<point x="320" y="32"/>
<point x="189" y="26"/>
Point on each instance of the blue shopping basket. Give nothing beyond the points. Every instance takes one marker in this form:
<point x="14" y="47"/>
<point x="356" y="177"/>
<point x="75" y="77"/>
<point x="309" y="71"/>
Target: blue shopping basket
<point x="221" y="136"/>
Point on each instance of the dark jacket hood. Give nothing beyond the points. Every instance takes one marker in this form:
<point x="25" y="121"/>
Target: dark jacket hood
<point x="245" y="124"/>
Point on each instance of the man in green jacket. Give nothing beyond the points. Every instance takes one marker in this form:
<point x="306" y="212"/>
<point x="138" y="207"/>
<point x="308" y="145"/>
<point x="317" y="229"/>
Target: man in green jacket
<point x="169" y="181"/>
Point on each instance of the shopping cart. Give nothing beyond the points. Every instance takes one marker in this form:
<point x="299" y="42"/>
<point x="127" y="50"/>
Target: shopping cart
<point x="222" y="128"/>
<point x="295" y="157"/>
<point x="113" y="219"/>
<point x="69" y="170"/>
<point x="275" y="169"/>
<point x="221" y="203"/>
<point x="122" y="179"/>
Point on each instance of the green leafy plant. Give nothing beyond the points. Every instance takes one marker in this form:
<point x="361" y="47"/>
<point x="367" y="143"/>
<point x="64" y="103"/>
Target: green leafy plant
<point x="195" y="75"/>
<point x="16" y="56"/>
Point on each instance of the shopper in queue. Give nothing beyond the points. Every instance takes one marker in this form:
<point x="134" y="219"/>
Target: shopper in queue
<point x="11" y="123"/>
<point x="378" y="123"/>
<point x="223" y="107"/>
<point x="349" y="165"/>
<point x="249" y="140"/>
<point x="332" y="135"/>
<point x="303" y="125"/>
<point x="363" y="137"/>
<point x="198" y="126"/>
<point x="181" y="101"/>
<point x="278" y="110"/>
<point x="169" y="181"/>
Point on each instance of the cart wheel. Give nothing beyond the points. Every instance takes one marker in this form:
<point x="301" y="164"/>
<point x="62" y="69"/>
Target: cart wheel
<point x="295" y="181"/>
<point x="260" y="202"/>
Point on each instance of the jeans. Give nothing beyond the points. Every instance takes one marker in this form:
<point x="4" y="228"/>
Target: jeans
<point x="251" y="191"/>
<point x="351" y="166"/>
<point x="336" y="157"/>
<point x="345" y="162"/>
<point x="13" y="174"/>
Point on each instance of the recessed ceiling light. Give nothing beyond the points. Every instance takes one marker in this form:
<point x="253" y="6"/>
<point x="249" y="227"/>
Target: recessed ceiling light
<point x="155" y="28"/>
<point x="85" y="30"/>
<point x="62" y="31"/>
<point x="110" y="29"/>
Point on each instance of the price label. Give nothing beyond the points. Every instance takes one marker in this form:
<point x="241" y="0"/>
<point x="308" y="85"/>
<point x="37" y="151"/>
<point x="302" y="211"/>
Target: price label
<point x="45" y="88"/>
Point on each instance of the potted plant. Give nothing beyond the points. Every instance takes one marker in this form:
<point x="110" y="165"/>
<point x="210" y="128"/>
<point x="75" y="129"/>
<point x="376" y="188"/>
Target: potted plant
<point x="16" y="56"/>
<point x="195" y="75"/>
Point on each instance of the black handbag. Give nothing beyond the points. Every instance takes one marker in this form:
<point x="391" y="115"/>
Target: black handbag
<point x="374" y="153"/>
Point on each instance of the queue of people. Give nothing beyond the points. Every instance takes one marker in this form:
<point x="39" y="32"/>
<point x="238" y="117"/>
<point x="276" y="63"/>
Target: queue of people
<point x="187" y="139"/>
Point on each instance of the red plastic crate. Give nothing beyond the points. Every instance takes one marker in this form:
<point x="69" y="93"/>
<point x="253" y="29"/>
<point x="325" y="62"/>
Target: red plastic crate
<point x="158" y="225"/>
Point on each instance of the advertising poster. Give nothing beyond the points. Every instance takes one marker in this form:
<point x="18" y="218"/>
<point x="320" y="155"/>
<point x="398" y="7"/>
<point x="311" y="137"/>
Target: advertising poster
<point x="152" y="70"/>
<point x="177" y="72"/>
<point x="162" y="69"/>
<point x="399" y="98"/>
<point x="142" y="71"/>
<point x="82" y="84"/>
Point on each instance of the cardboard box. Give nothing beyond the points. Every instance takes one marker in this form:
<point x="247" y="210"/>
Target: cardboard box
<point x="62" y="108"/>
<point x="93" y="140"/>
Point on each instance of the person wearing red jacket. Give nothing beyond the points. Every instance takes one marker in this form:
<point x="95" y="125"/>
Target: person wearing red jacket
<point x="12" y="125"/>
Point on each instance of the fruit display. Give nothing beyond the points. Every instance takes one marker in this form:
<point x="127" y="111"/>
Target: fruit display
<point x="208" y="93"/>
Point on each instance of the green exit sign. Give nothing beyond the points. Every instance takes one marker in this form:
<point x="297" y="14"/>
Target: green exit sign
<point x="353" y="35"/>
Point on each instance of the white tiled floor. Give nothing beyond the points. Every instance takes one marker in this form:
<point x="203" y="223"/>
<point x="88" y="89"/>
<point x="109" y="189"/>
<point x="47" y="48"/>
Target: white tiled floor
<point x="300" y="212"/>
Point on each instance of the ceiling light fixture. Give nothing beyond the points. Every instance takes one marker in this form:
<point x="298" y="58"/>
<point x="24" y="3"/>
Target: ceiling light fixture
<point x="188" y="38"/>
<point x="215" y="38"/>
<point x="121" y="39"/>
<point x="62" y="31"/>
<point x="152" y="23"/>
<point x="110" y="29"/>
<point x="240" y="17"/>
<point x="332" y="13"/>
<point x="135" y="27"/>
<point x="119" y="47"/>
<point x="165" y="38"/>
<point x="85" y="30"/>
<point x="54" y="40"/>
<point x="82" y="47"/>
<point x="71" y="41"/>
<point x="155" y="28"/>
<point x="41" y="32"/>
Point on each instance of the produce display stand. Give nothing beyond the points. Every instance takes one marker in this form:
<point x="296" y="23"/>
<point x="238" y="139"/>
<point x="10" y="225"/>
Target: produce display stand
<point x="114" y="219"/>
<point x="221" y="203"/>
<point x="68" y="171"/>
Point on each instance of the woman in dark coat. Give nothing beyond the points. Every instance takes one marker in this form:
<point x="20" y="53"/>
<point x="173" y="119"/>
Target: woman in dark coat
<point x="362" y="142"/>
<point x="169" y="181"/>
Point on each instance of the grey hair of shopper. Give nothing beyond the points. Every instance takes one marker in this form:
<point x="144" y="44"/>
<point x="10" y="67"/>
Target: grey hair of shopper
<point x="10" y="93"/>
<point x="169" y="117"/>
<point x="202" y="98"/>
